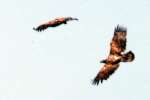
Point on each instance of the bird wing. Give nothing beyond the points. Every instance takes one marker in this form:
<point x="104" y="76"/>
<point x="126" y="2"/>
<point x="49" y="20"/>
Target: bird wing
<point x="118" y="43"/>
<point x="41" y="27"/>
<point x="105" y="72"/>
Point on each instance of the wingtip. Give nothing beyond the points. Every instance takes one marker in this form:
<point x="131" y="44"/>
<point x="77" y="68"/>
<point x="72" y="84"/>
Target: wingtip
<point x="34" y="28"/>
<point x="96" y="81"/>
<point x="120" y="28"/>
<point x="76" y="19"/>
<point x="38" y="30"/>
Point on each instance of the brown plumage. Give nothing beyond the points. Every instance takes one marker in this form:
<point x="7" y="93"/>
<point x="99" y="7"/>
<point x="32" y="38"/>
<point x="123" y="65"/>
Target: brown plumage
<point x="116" y="55"/>
<point x="54" y="23"/>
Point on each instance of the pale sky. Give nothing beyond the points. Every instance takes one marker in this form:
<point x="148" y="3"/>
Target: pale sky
<point x="59" y="63"/>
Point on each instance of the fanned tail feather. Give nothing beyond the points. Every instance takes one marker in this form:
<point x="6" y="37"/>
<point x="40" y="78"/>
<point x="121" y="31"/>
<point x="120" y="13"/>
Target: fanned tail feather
<point x="128" y="57"/>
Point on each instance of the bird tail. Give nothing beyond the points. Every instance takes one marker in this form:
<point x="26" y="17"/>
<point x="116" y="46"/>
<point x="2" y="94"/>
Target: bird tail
<point x="128" y="57"/>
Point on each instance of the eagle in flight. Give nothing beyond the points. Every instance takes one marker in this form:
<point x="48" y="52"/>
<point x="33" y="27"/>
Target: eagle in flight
<point x="117" y="54"/>
<point x="54" y="23"/>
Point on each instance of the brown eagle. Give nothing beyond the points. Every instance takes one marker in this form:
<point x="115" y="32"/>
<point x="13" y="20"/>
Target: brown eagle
<point x="54" y="23"/>
<point x="116" y="55"/>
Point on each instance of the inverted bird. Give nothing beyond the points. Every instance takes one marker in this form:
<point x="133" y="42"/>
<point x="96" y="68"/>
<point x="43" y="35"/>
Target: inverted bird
<point x="54" y="23"/>
<point x="117" y="54"/>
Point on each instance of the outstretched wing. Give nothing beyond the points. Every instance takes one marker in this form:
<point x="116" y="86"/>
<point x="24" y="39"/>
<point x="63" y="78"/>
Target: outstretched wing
<point x="52" y="23"/>
<point x="105" y="72"/>
<point x="118" y="43"/>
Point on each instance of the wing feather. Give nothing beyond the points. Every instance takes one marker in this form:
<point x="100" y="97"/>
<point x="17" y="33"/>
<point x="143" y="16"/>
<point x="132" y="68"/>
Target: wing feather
<point x="41" y="27"/>
<point x="118" y="43"/>
<point x="105" y="72"/>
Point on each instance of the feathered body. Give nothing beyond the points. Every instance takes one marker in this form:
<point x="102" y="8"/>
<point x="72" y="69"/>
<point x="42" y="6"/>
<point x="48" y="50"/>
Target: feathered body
<point x="116" y="55"/>
<point x="54" y="23"/>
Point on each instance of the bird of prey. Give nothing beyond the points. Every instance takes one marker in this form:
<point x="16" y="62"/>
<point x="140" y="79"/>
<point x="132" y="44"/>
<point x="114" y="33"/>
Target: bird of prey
<point x="54" y="23"/>
<point x="117" y="54"/>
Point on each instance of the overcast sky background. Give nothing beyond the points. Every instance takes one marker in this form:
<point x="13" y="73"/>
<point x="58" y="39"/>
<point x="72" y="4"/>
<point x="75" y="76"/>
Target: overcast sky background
<point x="59" y="63"/>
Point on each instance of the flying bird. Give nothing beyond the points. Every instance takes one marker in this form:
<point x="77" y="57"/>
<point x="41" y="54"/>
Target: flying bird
<point x="54" y="23"/>
<point x="117" y="54"/>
